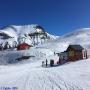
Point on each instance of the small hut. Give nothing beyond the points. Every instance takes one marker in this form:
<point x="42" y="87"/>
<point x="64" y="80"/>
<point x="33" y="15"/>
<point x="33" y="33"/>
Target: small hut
<point x="23" y="46"/>
<point x="76" y="52"/>
<point x="63" y="57"/>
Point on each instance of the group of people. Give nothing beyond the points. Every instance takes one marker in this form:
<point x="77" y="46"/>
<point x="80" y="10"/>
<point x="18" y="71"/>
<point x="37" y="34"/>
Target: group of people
<point x="45" y="63"/>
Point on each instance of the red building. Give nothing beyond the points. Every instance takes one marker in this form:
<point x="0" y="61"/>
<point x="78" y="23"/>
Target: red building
<point x="23" y="46"/>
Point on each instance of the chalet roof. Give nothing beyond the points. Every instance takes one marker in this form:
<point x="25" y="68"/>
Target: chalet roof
<point x="76" y="47"/>
<point x="24" y="44"/>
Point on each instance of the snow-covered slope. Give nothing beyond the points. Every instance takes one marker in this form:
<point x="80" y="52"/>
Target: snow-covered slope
<point x="80" y="36"/>
<point x="30" y="75"/>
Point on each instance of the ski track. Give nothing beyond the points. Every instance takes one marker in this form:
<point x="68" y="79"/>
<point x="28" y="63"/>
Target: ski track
<point x="32" y="76"/>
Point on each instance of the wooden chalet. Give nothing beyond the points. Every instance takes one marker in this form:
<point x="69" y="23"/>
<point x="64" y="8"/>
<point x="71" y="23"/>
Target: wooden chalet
<point x="76" y="52"/>
<point x="73" y="53"/>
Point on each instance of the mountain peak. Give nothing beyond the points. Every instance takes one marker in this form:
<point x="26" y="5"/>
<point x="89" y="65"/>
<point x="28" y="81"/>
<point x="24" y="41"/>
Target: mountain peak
<point x="33" y="34"/>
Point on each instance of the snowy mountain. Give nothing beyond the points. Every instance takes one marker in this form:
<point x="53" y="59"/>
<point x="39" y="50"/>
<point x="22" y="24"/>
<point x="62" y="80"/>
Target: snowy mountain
<point x="32" y="34"/>
<point x="80" y="36"/>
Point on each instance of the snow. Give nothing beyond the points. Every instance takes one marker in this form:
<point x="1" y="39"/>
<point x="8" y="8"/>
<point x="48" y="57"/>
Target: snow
<point x="79" y="36"/>
<point x="30" y="75"/>
<point x="20" y="30"/>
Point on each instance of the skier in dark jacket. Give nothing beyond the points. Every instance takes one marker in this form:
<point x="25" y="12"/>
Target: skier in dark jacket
<point x="46" y="62"/>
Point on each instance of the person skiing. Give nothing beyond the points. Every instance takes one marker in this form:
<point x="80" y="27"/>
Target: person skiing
<point x="42" y="63"/>
<point x="54" y="53"/>
<point x="46" y="62"/>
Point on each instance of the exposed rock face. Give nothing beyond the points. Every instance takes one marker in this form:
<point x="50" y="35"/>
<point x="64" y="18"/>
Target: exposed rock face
<point x="30" y="34"/>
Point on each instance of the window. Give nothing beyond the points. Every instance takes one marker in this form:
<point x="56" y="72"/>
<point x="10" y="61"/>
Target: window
<point x="84" y="53"/>
<point x="71" y="53"/>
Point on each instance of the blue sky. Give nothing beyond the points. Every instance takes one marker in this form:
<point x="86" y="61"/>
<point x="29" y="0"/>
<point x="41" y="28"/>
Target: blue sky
<point x="56" y="16"/>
